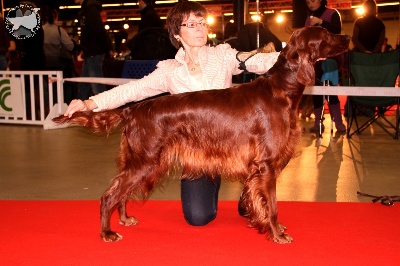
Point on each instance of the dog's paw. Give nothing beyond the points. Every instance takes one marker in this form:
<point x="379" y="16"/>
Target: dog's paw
<point x="281" y="228"/>
<point x="283" y="239"/>
<point x="129" y="221"/>
<point x="110" y="236"/>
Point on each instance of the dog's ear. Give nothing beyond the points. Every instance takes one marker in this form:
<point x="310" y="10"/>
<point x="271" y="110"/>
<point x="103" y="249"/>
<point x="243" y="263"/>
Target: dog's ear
<point x="298" y="56"/>
<point x="290" y="51"/>
<point x="306" y="72"/>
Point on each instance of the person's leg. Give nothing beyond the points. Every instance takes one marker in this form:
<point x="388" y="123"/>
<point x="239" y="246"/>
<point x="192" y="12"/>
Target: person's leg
<point x="318" y="101"/>
<point x="200" y="200"/>
<point x="3" y="62"/>
<point x="336" y="114"/>
<point x="83" y="87"/>
<point x="96" y="70"/>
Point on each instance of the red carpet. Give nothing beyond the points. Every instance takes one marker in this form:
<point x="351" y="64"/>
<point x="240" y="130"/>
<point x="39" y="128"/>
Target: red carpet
<point x="67" y="233"/>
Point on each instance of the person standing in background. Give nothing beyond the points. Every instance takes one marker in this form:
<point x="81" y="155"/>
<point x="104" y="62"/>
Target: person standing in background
<point x="231" y="35"/>
<point x="95" y="45"/>
<point x="151" y="41"/>
<point x="320" y="15"/>
<point x="149" y="17"/>
<point x="30" y="56"/>
<point x="369" y="31"/>
<point x="247" y="36"/>
<point x="4" y="44"/>
<point x="57" y="49"/>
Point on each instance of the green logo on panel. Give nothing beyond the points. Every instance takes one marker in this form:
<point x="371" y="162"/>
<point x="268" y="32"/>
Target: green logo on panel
<point x="5" y="91"/>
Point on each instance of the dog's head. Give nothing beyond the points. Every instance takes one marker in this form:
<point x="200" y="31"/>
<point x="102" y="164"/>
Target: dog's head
<point x="310" y="44"/>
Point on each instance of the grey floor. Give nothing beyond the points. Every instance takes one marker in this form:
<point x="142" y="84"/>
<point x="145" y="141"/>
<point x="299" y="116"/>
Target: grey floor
<point x="72" y="163"/>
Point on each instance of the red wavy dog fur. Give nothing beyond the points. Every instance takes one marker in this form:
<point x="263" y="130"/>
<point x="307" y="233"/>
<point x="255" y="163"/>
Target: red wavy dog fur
<point x="247" y="133"/>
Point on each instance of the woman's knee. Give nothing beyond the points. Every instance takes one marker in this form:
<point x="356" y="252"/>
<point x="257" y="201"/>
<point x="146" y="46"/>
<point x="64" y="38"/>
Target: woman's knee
<point x="200" y="200"/>
<point x="198" y="217"/>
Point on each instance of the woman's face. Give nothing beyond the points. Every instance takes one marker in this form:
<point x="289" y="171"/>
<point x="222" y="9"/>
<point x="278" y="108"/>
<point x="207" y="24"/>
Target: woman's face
<point x="196" y="34"/>
<point x="313" y="4"/>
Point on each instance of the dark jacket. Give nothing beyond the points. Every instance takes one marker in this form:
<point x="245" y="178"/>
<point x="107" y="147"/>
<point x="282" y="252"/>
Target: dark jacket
<point x="4" y="38"/>
<point x="248" y="38"/>
<point x="151" y="43"/>
<point x="335" y="23"/>
<point x="370" y="29"/>
<point x="32" y="52"/>
<point x="149" y="18"/>
<point x="94" y="39"/>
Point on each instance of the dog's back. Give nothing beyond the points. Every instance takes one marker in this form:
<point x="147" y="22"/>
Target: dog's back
<point x="189" y="128"/>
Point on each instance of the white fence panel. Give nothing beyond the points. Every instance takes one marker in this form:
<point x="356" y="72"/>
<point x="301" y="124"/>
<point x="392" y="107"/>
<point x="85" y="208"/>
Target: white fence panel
<point x="41" y="95"/>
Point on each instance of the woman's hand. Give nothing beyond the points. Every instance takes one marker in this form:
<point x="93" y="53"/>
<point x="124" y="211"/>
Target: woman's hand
<point x="314" y="21"/>
<point x="80" y="106"/>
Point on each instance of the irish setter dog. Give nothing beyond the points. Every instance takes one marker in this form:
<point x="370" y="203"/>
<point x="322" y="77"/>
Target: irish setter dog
<point x="247" y="133"/>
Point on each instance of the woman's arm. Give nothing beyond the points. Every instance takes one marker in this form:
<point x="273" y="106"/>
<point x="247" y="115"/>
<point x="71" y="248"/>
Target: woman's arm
<point x="66" y="40"/>
<point x="135" y="90"/>
<point x="355" y="39"/>
<point x="379" y="44"/>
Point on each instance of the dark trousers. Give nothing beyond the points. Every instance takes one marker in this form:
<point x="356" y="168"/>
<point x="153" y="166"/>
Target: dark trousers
<point x="200" y="200"/>
<point x="318" y="100"/>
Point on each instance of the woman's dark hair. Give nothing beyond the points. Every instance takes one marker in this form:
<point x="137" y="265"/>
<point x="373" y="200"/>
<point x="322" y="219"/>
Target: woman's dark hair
<point x="180" y="12"/>
<point x="324" y="2"/>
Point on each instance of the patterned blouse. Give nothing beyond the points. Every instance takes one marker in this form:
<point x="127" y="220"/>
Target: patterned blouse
<point x="218" y="64"/>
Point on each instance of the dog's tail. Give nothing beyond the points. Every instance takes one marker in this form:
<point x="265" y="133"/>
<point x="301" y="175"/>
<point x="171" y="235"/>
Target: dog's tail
<point x="104" y="121"/>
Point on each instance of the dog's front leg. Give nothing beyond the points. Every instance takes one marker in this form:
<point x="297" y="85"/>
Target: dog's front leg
<point x="277" y="229"/>
<point x="260" y="206"/>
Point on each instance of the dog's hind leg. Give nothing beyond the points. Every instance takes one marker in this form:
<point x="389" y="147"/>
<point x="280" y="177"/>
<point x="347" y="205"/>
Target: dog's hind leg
<point x="116" y="195"/>
<point x="109" y="201"/>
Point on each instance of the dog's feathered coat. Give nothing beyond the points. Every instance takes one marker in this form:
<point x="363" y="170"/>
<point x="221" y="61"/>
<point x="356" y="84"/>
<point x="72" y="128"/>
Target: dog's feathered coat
<point x="247" y="133"/>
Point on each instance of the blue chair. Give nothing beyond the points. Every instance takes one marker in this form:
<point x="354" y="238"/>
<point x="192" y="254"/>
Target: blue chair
<point x="137" y="69"/>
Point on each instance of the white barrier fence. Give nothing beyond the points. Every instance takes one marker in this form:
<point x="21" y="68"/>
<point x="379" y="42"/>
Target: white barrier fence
<point x="34" y="84"/>
<point x="31" y="97"/>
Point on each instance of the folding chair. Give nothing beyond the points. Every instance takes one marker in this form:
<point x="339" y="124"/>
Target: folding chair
<point x="137" y="69"/>
<point x="374" y="70"/>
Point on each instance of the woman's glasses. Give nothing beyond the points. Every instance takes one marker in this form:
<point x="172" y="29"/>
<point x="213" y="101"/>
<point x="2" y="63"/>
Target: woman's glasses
<point x="194" y="24"/>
